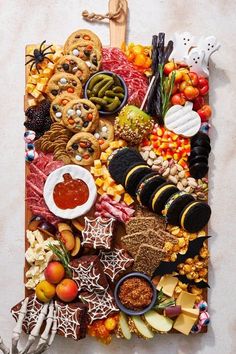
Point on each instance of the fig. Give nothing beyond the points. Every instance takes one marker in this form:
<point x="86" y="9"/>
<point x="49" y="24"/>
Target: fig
<point x="34" y="222"/>
<point x="47" y="228"/>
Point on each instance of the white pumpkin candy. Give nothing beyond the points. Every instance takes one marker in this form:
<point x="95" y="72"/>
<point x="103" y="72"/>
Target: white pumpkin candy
<point x="182" y="120"/>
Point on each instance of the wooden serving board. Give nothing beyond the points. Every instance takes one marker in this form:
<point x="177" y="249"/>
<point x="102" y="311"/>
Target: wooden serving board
<point x="117" y="37"/>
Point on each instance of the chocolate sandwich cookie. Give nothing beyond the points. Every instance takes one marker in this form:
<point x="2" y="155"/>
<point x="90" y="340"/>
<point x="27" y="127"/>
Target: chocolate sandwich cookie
<point x="73" y="65"/>
<point x="147" y="186"/>
<point x="195" y="216"/>
<point x="160" y="196"/>
<point x="174" y="206"/>
<point x="134" y="175"/>
<point x="121" y="160"/>
<point x="198" y="159"/>
<point x="199" y="137"/>
<point x="63" y="83"/>
<point x="83" y="149"/>
<point x="202" y="140"/>
<point x="84" y="35"/>
<point x="80" y="115"/>
<point x="198" y="170"/>
<point x="198" y="150"/>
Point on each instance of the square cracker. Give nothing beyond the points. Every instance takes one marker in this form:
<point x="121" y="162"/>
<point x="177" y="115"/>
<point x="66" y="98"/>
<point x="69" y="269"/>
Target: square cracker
<point x="148" y="258"/>
<point x="133" y="241"/>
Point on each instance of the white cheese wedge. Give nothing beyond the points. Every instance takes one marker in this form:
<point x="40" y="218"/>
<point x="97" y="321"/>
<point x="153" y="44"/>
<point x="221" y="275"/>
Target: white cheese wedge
<point x="182" y="120"/>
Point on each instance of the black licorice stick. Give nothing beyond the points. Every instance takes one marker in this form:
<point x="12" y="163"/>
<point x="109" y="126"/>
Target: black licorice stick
<point x="150" y="107"/>
<point x="168" y="51"/>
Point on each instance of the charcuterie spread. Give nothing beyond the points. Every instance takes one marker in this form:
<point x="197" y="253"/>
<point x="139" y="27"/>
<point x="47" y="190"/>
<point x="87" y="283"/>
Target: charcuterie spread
<point x="117" y="150"/>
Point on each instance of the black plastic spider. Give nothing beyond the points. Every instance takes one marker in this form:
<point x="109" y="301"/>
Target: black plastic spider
<point x="39" y="56"/>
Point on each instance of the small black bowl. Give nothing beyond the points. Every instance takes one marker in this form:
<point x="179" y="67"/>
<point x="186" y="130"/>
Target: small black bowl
<point x="125" y="309"/>
<point x="122" y="83"/>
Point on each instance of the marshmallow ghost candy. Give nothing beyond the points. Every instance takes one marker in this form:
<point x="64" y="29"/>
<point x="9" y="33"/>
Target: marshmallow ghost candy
<point x="182" y="43"/>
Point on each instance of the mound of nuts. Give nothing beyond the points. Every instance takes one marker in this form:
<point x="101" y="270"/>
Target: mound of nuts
<point x="175" y="173"/>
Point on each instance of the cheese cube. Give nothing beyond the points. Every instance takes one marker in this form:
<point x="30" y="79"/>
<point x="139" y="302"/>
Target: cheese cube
<point x="47" y="72"/>
<point x="119" y="189"/>
<point x="117" y="197"/>
<point x="128" y="199"/>
<point x="92" y="170"/>
<point x="32" y="102"/>
<point x="35" y="93"/>
<point x="99" y="182"/>
<point x="100" y="191"/>
<point x="40" y="87"/>
<point x="122" y="143"/>
<point x="104" y="156"/>
<point x="97" y="172"/>
<point x="30" y="88"/>
<point x="110" y="191"/>
<point x="114" y="145"/>
<point x="97" y="163"/>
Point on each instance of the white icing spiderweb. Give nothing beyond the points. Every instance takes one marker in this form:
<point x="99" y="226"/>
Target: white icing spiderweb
<point x="67" y="320"/>
<point x="34" y="309"/>
<point x="86" y="277"/>
<point x="98" y="232"/>
<point x="114" y="262"/>
<point x="100" y="304"/>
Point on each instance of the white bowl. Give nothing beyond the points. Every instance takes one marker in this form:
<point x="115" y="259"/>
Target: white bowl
<point x="76" y="172"/>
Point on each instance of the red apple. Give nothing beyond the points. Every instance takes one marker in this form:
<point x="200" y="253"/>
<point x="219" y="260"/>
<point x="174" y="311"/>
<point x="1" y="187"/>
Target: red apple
<point x="54" y="272"/>
<point x="67" y="290"/>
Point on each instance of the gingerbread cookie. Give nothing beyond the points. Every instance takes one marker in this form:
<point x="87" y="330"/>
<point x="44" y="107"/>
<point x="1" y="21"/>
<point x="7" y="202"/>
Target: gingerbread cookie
<point x="82" y="34"/>
<point x="73" y="65"/>
<point x="83" y="149"/>
<point x="58" y="105"/>
<point x="61" y="83"/>
<point x="88" y="52"/>
<point x="80" y="115"/>
<point x="104" y="133"/>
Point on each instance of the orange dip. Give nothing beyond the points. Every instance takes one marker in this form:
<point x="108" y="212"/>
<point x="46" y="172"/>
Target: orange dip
<point x="70" y="193"/>
<point x="135" y="293"/>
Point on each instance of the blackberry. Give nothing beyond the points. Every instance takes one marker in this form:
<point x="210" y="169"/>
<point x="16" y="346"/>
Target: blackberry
<point x="38" y="118"/>
<point x="30" y="112"/>
<point x="44" y="107"/>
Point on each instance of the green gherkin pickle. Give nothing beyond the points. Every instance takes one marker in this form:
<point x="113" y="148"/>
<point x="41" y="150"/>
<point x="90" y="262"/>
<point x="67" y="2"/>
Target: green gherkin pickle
<point x="132" y="124"/>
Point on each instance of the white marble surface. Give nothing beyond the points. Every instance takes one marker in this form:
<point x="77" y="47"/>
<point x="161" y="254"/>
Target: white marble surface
<point x="31" y="21"/>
